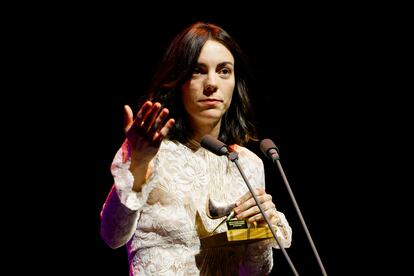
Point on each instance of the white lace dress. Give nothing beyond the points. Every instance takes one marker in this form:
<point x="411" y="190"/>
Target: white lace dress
<point x="162" y="225"/>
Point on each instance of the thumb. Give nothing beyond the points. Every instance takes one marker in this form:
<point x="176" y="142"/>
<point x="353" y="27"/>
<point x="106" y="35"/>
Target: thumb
<point x="128" y="118"/>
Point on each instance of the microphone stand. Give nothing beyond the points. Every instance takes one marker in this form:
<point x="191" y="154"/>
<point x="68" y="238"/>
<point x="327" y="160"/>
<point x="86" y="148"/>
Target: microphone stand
<point x="233" y="156"/>
<point x="277" y="161"/>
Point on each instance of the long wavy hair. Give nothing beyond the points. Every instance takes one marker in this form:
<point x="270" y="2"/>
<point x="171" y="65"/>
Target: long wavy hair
<point x="176" y="67"/>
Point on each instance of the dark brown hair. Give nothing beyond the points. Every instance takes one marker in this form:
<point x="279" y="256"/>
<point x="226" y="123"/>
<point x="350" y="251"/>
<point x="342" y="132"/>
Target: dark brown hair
<point x="176" y="68"/>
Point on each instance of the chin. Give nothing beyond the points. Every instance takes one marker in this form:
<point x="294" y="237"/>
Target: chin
<point x="212" y="114"/>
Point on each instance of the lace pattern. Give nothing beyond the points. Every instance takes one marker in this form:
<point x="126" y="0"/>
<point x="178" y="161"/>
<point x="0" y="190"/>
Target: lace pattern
<point x="162" y="225"/>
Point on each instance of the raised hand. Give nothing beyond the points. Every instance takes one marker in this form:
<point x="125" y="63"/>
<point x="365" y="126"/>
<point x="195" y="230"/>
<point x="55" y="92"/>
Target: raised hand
<point x="144" y="136"/>
<point x="145" y="133"/>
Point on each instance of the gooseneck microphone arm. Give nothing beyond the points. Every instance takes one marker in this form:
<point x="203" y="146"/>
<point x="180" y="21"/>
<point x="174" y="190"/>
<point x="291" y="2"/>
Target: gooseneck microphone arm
<point x="212" y="144"/>
<point x="270" y="150"/>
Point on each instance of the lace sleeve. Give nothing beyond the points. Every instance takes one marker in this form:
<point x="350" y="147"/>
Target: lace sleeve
<point x="259" y="255"/>
<point x="121" y="209"/>
<point x="118" y="222"/>
<point x="283" y="232"/>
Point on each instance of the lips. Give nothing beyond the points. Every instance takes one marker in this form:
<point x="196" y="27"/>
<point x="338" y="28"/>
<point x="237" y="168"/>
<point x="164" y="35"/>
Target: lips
<point x="211" y="101"/>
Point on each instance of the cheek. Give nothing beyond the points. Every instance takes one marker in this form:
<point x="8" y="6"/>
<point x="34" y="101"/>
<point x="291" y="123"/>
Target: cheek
<point x="189" y="97"/>
<point x="185" y="96"/>
<point x="195" y="87"/>
<point x="228" y="92"/>
<point x="193" y="91"/>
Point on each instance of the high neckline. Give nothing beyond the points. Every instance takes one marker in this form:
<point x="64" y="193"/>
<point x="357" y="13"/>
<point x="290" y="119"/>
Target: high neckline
<point x="193" y="144"/>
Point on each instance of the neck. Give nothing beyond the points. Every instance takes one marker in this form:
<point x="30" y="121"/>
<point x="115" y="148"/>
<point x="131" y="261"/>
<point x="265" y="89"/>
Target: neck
<point x="199" y="132"/>
<point x="193" y="144"/>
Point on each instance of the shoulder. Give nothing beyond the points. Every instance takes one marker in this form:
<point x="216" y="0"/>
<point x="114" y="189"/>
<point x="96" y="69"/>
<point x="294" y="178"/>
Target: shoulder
<point x="168" y="147"/>
<point x="246" y="153"/>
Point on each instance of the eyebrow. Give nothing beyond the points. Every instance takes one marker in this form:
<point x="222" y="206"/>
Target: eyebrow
<point x="221" y="64"/>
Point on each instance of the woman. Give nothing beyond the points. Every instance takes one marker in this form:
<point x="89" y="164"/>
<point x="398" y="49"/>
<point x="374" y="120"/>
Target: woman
<point x="163" y="178"/>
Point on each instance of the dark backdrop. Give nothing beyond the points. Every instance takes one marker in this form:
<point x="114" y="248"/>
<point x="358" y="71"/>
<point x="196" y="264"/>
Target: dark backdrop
<point x="317" y="91"/>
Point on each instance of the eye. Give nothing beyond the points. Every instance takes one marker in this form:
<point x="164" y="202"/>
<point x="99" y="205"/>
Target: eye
<point x="225" y="72"/>
<point x="196" y="70"/>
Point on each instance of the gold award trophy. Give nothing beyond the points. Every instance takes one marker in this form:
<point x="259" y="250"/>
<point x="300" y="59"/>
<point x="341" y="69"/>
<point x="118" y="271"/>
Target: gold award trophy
<point x="238" y="231"/>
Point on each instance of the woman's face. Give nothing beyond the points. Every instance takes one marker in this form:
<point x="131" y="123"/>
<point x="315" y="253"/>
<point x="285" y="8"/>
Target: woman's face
<point x="207" y="95"/>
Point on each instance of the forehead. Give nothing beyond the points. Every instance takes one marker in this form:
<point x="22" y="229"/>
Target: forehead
<point x="214" y="52"/>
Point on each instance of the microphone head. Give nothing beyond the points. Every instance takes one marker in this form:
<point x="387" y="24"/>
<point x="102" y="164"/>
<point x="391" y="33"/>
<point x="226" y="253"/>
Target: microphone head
<point x="212" y="144"/>
<point x="269" y="149"/>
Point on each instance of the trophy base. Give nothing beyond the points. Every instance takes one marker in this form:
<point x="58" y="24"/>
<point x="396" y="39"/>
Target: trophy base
<point x="237" y="236"/>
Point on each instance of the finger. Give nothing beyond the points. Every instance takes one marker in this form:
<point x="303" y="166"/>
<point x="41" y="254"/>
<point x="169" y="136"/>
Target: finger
<point x="266" y="206"/>
<point x="164" y="131"/>
<point x="259" y="217"/>
<point x="248" y="195"/>
<point x="149" y="118"/>
<point x="142" y="113"/>
<point x="252" y="202"/>
<point x="271" y="214"/>
<point x="128" y="118"/>
<point x="158" y="123"/>
<point x="248" y="213"/>
<point x="162" y="116"/>
<point x="254" y="214"/>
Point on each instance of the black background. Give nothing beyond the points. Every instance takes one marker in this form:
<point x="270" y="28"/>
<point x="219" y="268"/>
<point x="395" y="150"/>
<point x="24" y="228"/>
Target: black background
<point x="323" y="89"/>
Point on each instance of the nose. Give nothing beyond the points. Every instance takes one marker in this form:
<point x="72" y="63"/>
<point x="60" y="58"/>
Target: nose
<point x="210" y="85"/>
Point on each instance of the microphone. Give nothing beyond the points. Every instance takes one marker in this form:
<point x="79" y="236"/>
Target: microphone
<point x="219" y="148"/>
<point x="215" y="146"/>
<point x="270" y="150"/>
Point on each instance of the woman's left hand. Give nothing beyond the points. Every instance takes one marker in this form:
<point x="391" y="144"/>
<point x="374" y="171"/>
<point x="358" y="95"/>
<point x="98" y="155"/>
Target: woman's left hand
<point x="247" y="209"/>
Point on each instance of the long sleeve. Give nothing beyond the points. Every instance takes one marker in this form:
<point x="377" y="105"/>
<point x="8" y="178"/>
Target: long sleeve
<point x="259" y="255"/>
<point x="118" y="222"/>
<point x="162" y="225"/>
<point x="121" y="209"/>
